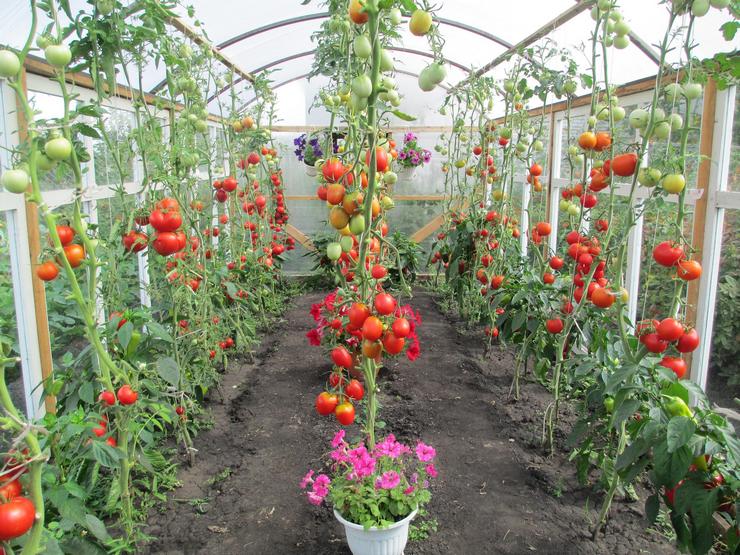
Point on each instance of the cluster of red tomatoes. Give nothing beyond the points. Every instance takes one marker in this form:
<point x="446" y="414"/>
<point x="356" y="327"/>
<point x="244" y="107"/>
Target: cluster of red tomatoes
<point x="657" y="336"/>
<point x="672" y="255"/>
<point x="73" y="252"/>
<point x="17" y="513"/>
<point x="125" y="397"/>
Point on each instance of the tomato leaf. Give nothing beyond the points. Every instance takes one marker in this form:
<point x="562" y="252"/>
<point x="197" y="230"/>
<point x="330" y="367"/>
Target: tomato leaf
<point x="168" y="370"/>
<point x="124" y="334"/>
<point x="105" y="454"/>
<point x="679" y="432"/>
<point x="403" y="115"/>
<point x="97" y="528"/>
<point x="86" y="392"/>
<point x="87" y="130"/>
<point x="157" y="330"/>
<point x="652" y="507"/>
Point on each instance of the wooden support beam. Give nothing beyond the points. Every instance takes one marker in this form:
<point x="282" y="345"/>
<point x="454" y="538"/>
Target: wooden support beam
<point x="428" y="229"/>
<point x="419" y="198"/>
<point x="299" y="236"/>
<point x="702" y="203"/>
<point x="39" y="290"/>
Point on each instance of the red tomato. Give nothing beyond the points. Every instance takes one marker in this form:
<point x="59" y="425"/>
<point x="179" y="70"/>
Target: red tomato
<point x="47" y="271"/>
<point x="345" y="413"/>
<point x="385" y="303"/>
<point x="667" y="254"/>
<point x="381" y="159"/>
<point x="603" y="297"/>
<point x="354" y="390"/>
<point x="326" y="403"/>
<point x="670" y="330"/>
<point x="16" y="518"/>
<point x="543" y="228"/>
<point x="333" y="170"/>
<point x="392" y="344"/>
<point x="554" y="325"/>
<point x="677" y="364"/>
<point x="548" y="278"/>
<point x="107" y="397"/>
<point x="688" y="270"/>
<point x="653" y="342"/>
<point x="66" y="234"/>
<point x="378" y="272"/>
<point x="135" y="241"/>
<point x="556" y="263"/>
<point x="75" y="254"/>
<point x="401" y="327"/>
<point x="535" y="170"/>
<point x="341" y="357"/>
<point x="358" y="313"/>
<point x="166" y="243"/>
<point x="126" y="395"/>
<point x="229" y="184"/>
<point x="688" y="342"/>
<point x="372" y="328"/>
<point x="624" y="165"/>
<point x="10" y="490"/>
<point x="165" y="220"/>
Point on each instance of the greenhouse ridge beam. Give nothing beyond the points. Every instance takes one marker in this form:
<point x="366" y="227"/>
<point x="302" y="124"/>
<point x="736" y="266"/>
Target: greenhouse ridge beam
<point x="564" y="17"/>
<point x="311" y="52"/>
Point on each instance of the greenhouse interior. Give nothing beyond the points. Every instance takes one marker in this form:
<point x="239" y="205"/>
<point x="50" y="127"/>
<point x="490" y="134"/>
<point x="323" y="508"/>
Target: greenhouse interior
<point x="378" y="277"/>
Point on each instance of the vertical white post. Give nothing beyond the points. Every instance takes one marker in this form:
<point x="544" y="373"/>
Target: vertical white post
<point x="524" y="218"/>
<point x="142" y="258"/>
<point x="21" y="272"/>
<point x="556" y="165"/>
<point x="718" y="175"/>
<point x="90" y="207"/>
<point x="632" y="276"/>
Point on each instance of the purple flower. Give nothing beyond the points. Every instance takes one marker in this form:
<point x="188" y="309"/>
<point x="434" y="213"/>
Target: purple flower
<point x="409" y="137"/>
<point x="424" y="452"/>
<point x="402" y="155"/>
<point x="415" y="160"/>
<point x="388" y="480"/>
<point x="412" y="153"/>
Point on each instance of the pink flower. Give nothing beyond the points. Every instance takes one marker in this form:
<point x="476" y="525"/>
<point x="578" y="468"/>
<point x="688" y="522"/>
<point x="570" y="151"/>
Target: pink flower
<point x="338" y="439"/>
<point x="424" y="452"/>
<point x="321" y="485"/>
<point x="431" y="471"/>
<point x="314" y="499"/>
<point x="409" y="490"/>
<point x="307" y="479"/>
<point x="362" y="462"/>
<point x="389" y="447"/>
<point x="388" y="480"/>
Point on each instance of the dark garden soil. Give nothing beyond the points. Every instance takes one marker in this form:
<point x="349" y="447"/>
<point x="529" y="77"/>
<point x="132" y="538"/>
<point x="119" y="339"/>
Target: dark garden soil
<point x="497" y="491"/>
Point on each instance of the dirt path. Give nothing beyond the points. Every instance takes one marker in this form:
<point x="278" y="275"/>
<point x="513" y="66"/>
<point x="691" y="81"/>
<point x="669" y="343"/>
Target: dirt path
<point x="496" y="492"/>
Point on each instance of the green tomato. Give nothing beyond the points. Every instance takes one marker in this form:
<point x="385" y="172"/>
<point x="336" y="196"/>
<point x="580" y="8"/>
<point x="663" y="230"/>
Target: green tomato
<point x="609" y="404"/>
<point x="621" y="42"/>
<point x="537" y="146"/>
<point x="201" y="126"/>
<point x="700" y="8"/>
<point x="58" y="149"/>
<point x="14" y="181"/>
<point x="42" y="41"/>
<point x="105" y="7"/>
<point x="564" y="204"/>
<point x="649" y="177"/>
<point x="719" y="4"/>
<point x="521" y="147"/>
<point x="58" y="55"/>
<point x="390" y="178"/>
<point x="592" y="121"/>
<point x="387" y="203"/>
<point x="570" y="87"/>
<point x="639" y="118"/>
<point x="386" y="61"/>
<point x="621" y="28"/>
<point x="395" y="16"/>
<point x="509" y="86"/>
<point x="356" y="103"/>
<point x="346" y="243"/>
<point x="692" y="90"/>
<point x="10" y="65"/>
<point x="45" y="163"/>
<point x="608" y="41"/>
<point x="333" y="251"/>
<point x="662" y="131"/>
<point x="676" y="122"/>
<point x="362" y="86"/>
<point x="437" y="72"/>
<point x="672" y="92"/>
<point x="572" y="150"/>
<point x="618" y="113"/>
<point x="505" y="132"/>
<point x="604" y="5"/>
<point x="674" y="183"/>
<point x="357" y="224"/>
<point x="574" y="210"/>
<point x="426" y="80"/>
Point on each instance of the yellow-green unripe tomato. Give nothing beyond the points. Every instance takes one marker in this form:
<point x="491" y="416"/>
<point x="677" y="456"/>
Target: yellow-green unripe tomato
<point x="362" y="86"/>
<point x="10" y="65"/>
<point x="58" y="149"/>
<point x="346" y="243"/>
<point x="618" y="113"/>
<point x="390" y="178"/>
<point x="362" y="47"/>
<point x="333" y="251"/>
<point x="14" y="181"/>
<point x="639" y="118"/>
<point x="386" y="61"/>
<point x="692" y="90"/>
<point x="395" y="16"/>
<point x="674" y="183"/>
<point x="357" y="224"/>
<point x="58" y="55"/>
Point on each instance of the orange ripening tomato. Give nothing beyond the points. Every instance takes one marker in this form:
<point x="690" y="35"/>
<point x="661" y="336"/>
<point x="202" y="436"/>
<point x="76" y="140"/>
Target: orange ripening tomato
<point x="587" y="140"/>
<point x="688" y="270"/>
<point x="357" y="13"/>
<point x="603" y="141"/>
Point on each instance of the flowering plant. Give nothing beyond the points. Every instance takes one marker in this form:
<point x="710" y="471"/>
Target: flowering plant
<point x="412" y="155"/>
<point x="308" y="147"/>
<point x="374" y="487"/>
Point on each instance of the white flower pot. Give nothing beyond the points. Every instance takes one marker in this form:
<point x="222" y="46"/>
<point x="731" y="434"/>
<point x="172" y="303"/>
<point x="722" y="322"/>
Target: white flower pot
<point x="375" y="541"/>
<point x="406" y="174"/>
<point x="311" y="171"/>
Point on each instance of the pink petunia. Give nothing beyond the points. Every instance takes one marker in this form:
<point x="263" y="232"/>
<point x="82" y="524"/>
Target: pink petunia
<point x="307" y="479"/>
<point x="314" y="499"/>
<point x="409" y="490"/>
<point x="431" y="470"/>
<point x="338" y="439"/>
<point x="388" y="480"/>
<point x="424" y="452"/>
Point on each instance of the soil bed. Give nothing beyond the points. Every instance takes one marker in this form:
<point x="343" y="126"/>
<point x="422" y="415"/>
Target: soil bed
<point x="497" y="492"/>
